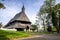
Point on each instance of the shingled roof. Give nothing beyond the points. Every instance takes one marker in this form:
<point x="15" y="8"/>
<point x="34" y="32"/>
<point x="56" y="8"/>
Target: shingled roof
<point x="21" y="16"/>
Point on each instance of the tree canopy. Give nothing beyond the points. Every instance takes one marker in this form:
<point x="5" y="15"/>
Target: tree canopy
<point x="51" y="10"/>
<point x="2" y="6"/>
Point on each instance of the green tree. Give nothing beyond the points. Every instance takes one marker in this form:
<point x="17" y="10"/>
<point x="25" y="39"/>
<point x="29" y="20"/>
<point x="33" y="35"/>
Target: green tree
<point x="34" y="27"/>
<point x="55" y="17"/>
<point x="46" y="8"/>
<point x="2" y="6"/>
<point x="53" y="13"/>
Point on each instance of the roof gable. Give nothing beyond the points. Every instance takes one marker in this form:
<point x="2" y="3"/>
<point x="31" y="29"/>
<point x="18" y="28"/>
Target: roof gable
<point x="20" y="16"/>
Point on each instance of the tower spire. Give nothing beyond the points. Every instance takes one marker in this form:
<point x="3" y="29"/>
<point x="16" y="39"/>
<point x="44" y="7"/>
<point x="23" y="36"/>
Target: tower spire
<point x="23" y="8"/>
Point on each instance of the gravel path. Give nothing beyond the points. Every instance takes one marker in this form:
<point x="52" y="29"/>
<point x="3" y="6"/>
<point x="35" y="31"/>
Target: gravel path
<point x="42" y="37"/>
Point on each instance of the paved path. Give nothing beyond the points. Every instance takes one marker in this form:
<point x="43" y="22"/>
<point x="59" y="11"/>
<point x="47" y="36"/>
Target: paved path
<point x="42" y="37"/>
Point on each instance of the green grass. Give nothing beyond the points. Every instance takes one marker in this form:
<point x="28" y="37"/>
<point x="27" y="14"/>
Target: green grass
<point x="7" y="35"/>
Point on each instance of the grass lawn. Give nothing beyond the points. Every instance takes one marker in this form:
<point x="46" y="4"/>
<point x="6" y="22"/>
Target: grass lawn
<point x="8" y="35"/>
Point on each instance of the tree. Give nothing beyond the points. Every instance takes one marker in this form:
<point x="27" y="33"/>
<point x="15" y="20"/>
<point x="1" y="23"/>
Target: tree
<point x="2" y="6"/>
<point x="43" y="18"/>
<point x="53" y="13"/>
<point x="34" y="27"/>
<point x="46" y="8"/>
<point x="55" y="17"/>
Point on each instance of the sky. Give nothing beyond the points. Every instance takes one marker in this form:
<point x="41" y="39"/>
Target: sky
<point x="14" y="6"/>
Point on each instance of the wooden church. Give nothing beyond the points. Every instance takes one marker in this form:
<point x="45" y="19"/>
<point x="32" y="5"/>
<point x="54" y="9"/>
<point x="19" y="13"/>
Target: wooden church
<point x="19" y="22"/>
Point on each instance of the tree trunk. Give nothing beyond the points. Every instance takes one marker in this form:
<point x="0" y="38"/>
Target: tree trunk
<point x="57" y="29"/>
<point x="43" y="25"/>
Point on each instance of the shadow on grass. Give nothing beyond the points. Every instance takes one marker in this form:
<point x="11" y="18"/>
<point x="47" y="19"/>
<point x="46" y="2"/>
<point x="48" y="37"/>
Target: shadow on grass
<point x="3" y="37"/>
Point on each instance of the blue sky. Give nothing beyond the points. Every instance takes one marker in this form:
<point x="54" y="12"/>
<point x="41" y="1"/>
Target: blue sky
<point x="14" y="6"/>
